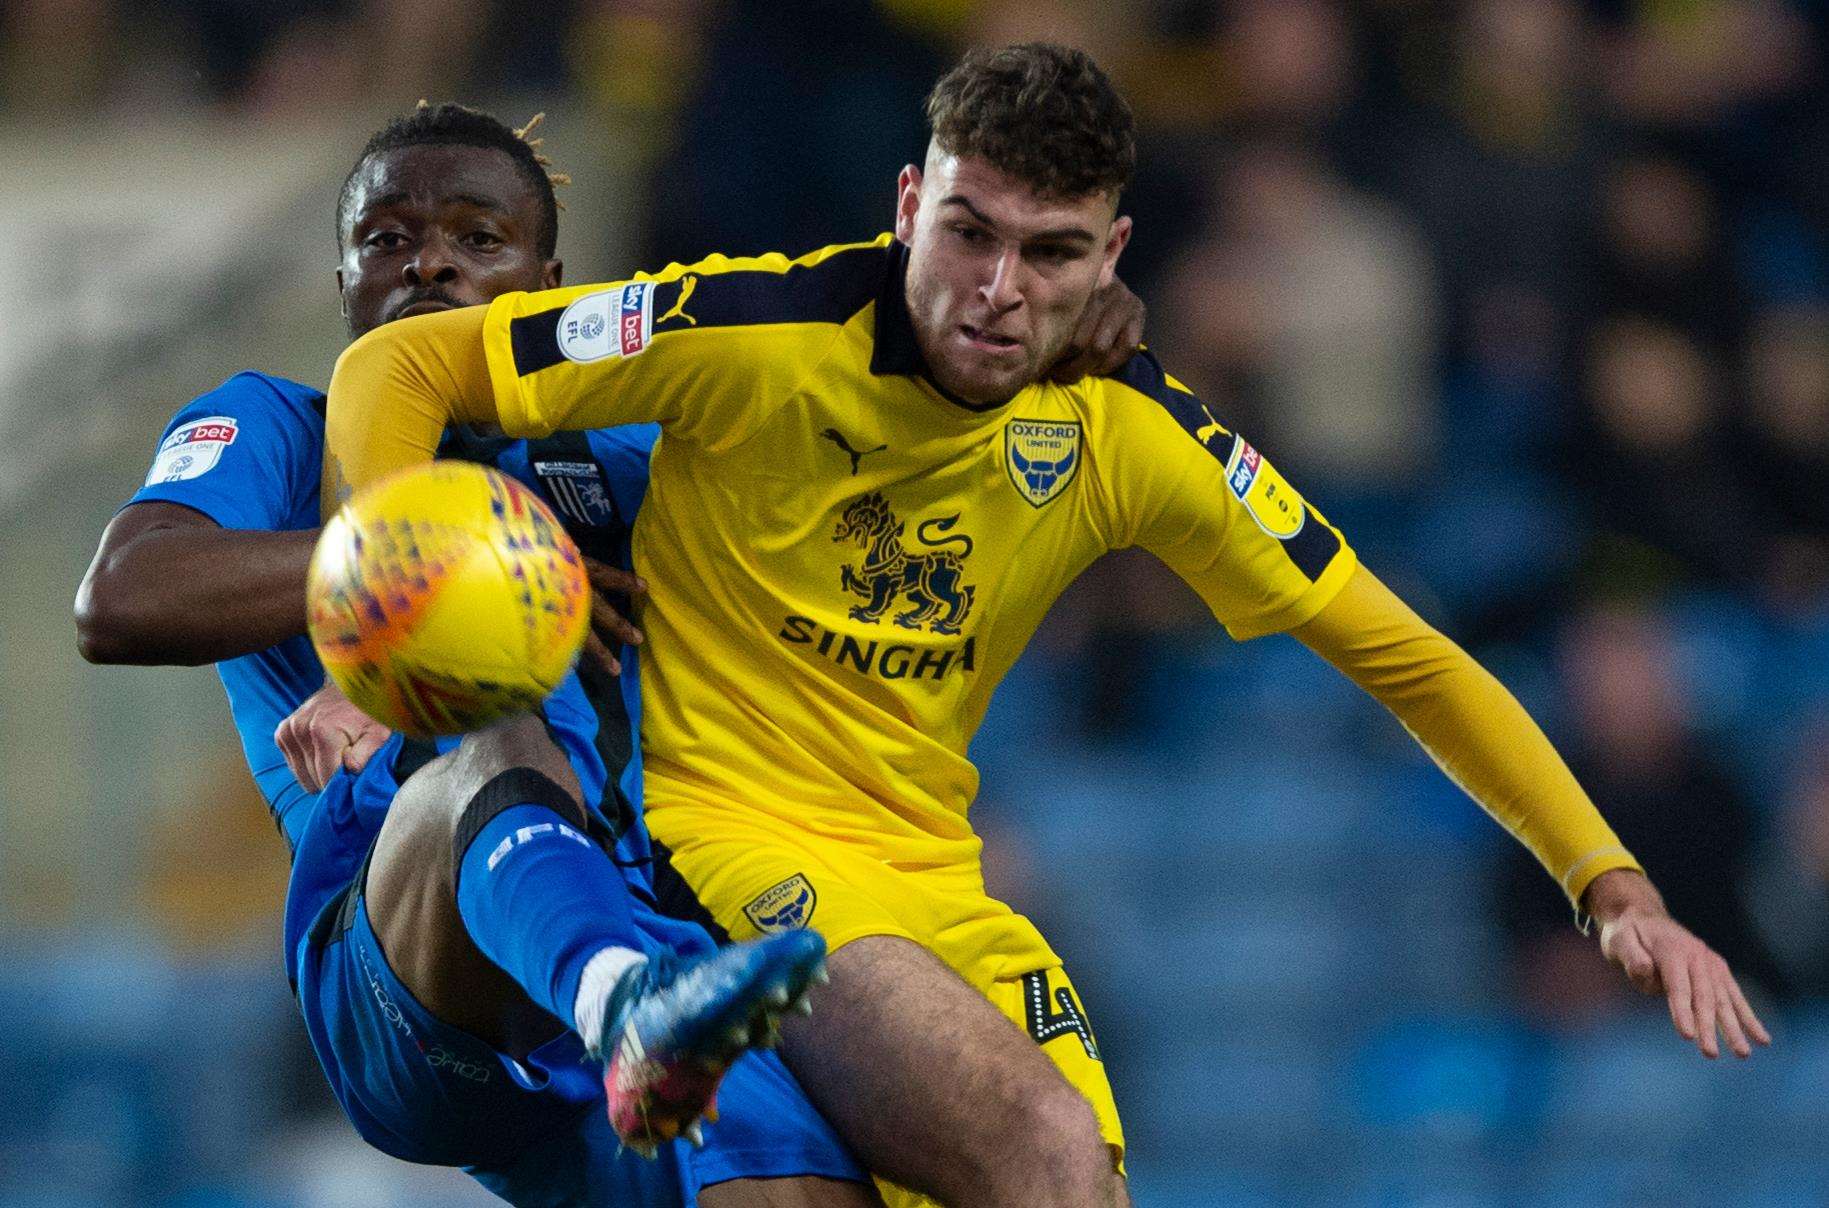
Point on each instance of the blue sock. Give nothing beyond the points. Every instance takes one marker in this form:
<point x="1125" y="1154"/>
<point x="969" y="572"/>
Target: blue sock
<point x="540" y="899"/>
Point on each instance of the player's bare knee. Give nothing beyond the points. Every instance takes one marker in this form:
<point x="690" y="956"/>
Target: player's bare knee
<point x="518" y="742"/>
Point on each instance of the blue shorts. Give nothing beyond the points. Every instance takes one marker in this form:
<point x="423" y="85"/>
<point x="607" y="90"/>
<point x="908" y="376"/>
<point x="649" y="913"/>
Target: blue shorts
<point x="533" y="1131"/>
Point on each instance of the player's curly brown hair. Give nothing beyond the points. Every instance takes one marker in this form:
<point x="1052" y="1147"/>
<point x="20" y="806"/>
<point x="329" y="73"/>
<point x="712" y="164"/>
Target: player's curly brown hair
<point x="1042" y="113"/>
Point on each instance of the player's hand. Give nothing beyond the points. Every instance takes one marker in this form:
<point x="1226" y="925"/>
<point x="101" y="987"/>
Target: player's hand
<point x="608" y="625"/>
<point x="1660" y="956"/>
<point x="1109" y="333"/>
<point x="327" y="733"/>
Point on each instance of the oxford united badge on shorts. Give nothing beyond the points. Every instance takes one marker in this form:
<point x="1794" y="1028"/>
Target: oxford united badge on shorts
<point x="783" y="907"/>
<point x="1042" y="456"/>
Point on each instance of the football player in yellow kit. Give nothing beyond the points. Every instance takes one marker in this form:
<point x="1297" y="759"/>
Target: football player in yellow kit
<point x="865" y="500"/>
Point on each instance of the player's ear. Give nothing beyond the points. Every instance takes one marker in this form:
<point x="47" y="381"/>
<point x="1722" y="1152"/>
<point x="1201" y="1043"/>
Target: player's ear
<point x="1115" y="243"/>
<point x="907" y="201"/>
<point x="342" y="298"/>
<point x="552" y="275"/>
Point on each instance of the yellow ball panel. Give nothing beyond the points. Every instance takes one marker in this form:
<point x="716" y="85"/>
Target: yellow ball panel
<point x="445" y="597"/>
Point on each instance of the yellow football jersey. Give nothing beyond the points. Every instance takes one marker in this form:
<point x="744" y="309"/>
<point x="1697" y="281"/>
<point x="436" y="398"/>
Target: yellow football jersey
<point x="844" y="559"/>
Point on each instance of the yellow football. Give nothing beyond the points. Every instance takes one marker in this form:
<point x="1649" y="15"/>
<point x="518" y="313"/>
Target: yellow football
<point x="444" y="597"/>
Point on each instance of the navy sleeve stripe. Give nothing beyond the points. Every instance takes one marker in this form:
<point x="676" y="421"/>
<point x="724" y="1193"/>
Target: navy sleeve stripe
<point x="1144" y="374"/>
<point x="535" y="341"/>
<point x="1314" y="547"/>
<point x="1311" y="549"/>
<point x="830" y="291"/>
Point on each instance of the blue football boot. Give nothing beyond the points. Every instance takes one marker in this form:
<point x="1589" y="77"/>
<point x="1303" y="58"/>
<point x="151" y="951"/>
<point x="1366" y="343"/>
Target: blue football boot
<point x="674" y="1026"/>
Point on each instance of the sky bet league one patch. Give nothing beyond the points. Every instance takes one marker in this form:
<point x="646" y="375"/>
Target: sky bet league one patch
<point x="192" y="450"/>
<point x="609" y="323"/>
<point x="1272" y="502"/>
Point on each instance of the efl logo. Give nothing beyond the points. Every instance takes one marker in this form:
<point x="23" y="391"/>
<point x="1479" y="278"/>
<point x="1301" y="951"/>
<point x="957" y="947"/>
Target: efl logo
<point x="608" y="323"/>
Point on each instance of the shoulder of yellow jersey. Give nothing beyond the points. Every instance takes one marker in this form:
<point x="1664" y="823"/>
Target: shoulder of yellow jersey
<point x="1141" y="391"/>
<point x="700" y="308"/>
<point x="828" y="285"/>
<point x="768" y="262"/>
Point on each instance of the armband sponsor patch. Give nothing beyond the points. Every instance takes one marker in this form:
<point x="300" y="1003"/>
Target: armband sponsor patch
<point x="192" y="449"/>
<point x="1272" y="502"/>
<point x="610" y="323"/>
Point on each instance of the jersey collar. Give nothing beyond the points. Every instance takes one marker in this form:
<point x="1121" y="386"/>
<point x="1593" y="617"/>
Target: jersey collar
<point x="897" y="351"/>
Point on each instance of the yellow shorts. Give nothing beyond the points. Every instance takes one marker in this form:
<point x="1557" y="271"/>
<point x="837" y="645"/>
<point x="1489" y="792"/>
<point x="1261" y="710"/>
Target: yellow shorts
<point x="755" y="879"/>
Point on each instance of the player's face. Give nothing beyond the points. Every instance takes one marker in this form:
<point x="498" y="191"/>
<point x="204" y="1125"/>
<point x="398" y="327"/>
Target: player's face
<point x="431" y="228"/>
<point x="997" y="276"/>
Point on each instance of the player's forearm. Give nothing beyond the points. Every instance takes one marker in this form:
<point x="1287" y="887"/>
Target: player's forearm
<point x="1485" y="741"/>
<point x="1472" y="727"/>
<point x="395" y="390"/>
<point x="193" y="595"/>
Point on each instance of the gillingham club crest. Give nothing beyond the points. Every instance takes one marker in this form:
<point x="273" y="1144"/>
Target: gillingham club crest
<point x="1042" y="456"/>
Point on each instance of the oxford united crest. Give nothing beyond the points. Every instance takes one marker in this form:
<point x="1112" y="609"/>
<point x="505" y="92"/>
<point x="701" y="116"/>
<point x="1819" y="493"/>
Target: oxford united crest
<point x="783" y="907"/>
<point x="1042" y="456"/>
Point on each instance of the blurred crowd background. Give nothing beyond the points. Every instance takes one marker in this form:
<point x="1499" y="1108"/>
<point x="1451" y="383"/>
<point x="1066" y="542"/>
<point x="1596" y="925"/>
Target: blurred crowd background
<point x="1530" y="296"/>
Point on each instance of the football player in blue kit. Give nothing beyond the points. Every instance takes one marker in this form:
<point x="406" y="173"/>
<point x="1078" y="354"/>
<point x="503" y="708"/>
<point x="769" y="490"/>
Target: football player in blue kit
<point x="492" y="987"/>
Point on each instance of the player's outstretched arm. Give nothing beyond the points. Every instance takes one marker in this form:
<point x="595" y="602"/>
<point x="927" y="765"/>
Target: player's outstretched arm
<point x="1485" y="741"/>
<point x="168" y="586"/>
<point x="705" y="350"/>
<point x="394" y="392"/>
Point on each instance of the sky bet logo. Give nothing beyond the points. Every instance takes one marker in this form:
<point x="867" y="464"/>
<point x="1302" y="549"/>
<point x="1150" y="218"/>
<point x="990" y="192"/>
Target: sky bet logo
<point x="1244" y="471"/>
<point x="632" y="326"/>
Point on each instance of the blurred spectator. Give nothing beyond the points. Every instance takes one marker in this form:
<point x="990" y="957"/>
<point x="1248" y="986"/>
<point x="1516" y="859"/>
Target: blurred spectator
<point x="641" y="60"/>
<point x="271" y="55"/>
<point x="1698" y="63"/>
<point x="1661" y="252"/>
<point x="1498" y="175"/>
<point x="1321" y="297"/>
<point x="786" y="150"/>
<point x="1655" y="462"/>
<point x="1787" y="372"/>
<point x="1635" y="748"/>
<point x="1788" y="889"/>
<point x="57" y="55"/>
<point x="1292" y="63"/>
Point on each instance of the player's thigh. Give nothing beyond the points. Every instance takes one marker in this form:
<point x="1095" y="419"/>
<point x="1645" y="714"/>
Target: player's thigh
<point x="1046" y="1005"/>
<point x="410" y="884"/>
<point x="766" y="1130"/>
<point x="809" y="1192"/>
<point x="930" y="1082"/>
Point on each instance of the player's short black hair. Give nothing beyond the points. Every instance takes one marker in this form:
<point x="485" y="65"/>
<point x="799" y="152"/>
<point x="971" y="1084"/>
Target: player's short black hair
<point x="1042" y="113"/>
<point x="453" y="125"/>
